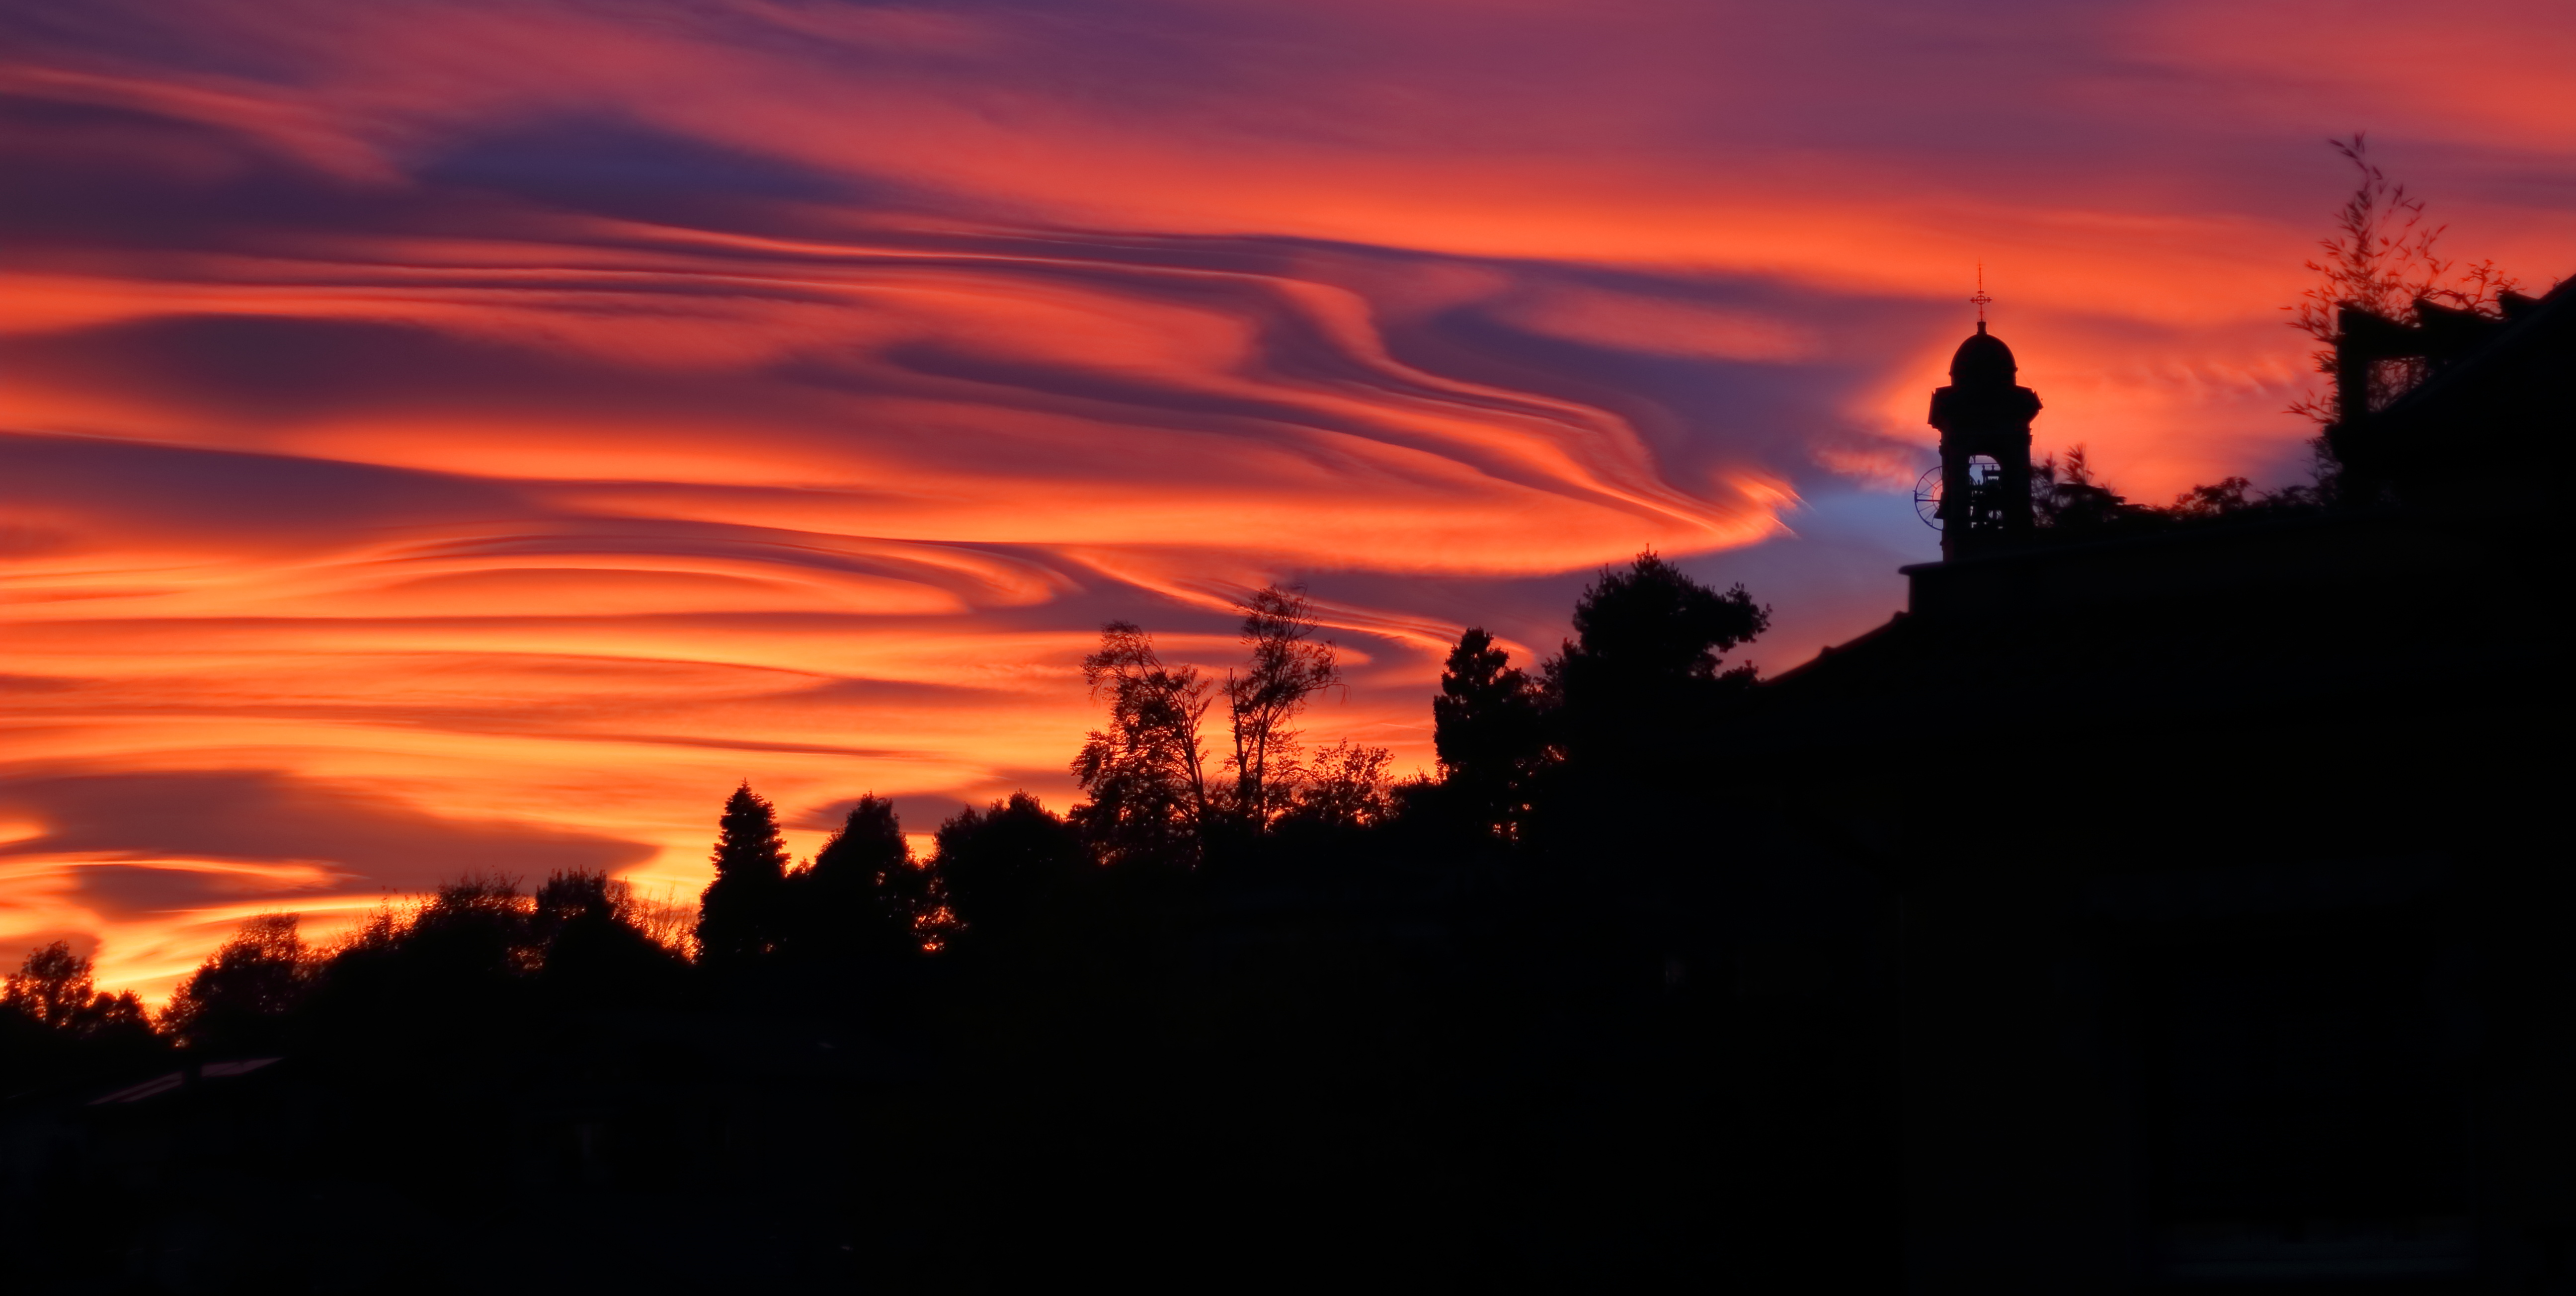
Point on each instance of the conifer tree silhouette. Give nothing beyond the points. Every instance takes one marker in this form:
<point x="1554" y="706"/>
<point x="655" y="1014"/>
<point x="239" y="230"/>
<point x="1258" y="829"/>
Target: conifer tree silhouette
<point x="738" y="915"/>
<point x="1489" y="729"/>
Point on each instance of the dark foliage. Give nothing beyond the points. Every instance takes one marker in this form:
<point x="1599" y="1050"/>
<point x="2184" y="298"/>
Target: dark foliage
<point x="1644" y="669"/>
<point x="1343" y="785"/>
<point x="1287" y="666"/>
<point x="1001" y="866"/>
<point x="56" y="1026"/>
<point x="741" y="914"/>
<point x="1146" y="773"/>
<point x="239" y="1000"/>
<point x="1150" y="800"/>
<point x="2382" y="265"/>
<point x="54" y="989"/>
<point x="1364" y="1026"/>
<point x="2070" y="503"/>
<point x="591" y="949"/>
<point x="864" y="899"/>
<point x="1489" y="727"/>
<point x="438" y="977"/>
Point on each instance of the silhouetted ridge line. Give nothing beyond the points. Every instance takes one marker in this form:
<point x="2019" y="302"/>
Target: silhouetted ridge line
<point x="2165" y="898"/>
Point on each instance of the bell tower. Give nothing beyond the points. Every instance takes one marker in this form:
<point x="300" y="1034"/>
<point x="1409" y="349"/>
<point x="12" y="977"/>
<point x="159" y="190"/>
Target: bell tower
<point x="1984" y="500"/>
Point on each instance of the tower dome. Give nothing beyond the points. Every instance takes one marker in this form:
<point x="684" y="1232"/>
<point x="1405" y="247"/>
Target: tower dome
<point x="1982" y="361"/>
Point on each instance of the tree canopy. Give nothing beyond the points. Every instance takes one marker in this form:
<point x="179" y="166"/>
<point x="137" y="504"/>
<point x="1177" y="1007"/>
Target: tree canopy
<point x="739" y="916"/>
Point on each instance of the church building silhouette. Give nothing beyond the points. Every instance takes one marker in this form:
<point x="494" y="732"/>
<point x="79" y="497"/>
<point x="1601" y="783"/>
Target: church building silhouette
<point x="2223" y="863"/>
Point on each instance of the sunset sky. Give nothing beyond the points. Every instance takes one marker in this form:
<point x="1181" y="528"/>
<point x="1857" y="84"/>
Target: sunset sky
<point x="455" y="437"/>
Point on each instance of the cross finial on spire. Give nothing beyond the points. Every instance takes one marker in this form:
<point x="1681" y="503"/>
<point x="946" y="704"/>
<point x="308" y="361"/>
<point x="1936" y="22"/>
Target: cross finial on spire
<point x="1981" y="298"/>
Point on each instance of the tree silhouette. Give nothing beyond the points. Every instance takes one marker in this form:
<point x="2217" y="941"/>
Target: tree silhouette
<point x="55" y="989"/>
<point x="55" y="1022"/>
<point x="2380" y="259"/>
<point x="2224" y="498"/>
<point x="114" y="1015"/>
<point x="476" y="928"/>
<point x="569" y="901"/>
<point x="1146" y="772"/>
<point x="52" y="988"/>
<point x="2068" y="497"/>
<point x="593" y="949"/>
<point x="446" y="976"/>
<point x="1642" y="698"/>
<point x="864" y="896"/>
<point x="2069" y="501"/>
<point x="738" y="915"/>
<point x="999" y="865"/>
<point x="239" y="998"/>
<point x="1343" y="786"/>
<point x="1287" y="668"/>
<point x="1489" y="729"/>
<point x="1643" y="668"/>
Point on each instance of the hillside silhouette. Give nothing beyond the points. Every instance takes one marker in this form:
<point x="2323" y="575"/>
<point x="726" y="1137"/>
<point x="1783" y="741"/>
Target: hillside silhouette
<point x="2153" y="904"/>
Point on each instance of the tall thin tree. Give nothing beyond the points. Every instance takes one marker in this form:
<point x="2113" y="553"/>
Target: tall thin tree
<point x="1288" y="667"/>
<point x="2381" y="259"/>
<point x="1146" y="772"/>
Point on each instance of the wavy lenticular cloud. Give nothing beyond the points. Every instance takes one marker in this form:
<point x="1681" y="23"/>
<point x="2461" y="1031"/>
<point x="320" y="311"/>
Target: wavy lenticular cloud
<point x="901" y="391"/>
<point x="501" y="427"/>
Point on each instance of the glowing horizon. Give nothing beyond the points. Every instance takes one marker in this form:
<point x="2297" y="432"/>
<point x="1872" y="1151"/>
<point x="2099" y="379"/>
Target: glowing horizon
<point x="448" y="437"/>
